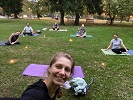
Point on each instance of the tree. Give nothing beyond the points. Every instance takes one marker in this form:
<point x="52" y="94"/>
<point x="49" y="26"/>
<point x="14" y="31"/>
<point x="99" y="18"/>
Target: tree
<point x="76" y="7"/>
<point x="58" y="5"/>
<point x="79" y="6"/>
<point x="125" y="8"/>
<point x="120" y="8"/>
<point x="36" y="7"/>
<point x="11" y="6"/>
<point x="95" y="6"/>
<point x="16" y="7"/>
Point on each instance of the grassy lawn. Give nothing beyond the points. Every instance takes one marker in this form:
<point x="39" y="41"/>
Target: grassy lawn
<point x="112" y="81"/>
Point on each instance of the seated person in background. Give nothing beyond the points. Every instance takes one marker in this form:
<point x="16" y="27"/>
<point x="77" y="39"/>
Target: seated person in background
<point x="115" y="44"/>
<point x="13" y="39"/>
<point x="28" y="30"/>
<point x="55" y="26"/>
<point x="81" y="32"/>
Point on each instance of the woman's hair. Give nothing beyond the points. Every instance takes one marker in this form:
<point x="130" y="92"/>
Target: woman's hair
<point x="115" y="34"/>
<point x="66" y="55"/>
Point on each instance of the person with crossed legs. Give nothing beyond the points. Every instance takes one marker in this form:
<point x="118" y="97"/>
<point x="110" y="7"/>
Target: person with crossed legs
<point x="115" y="44"/>
<point x="55" y="26"/>
<point x="28" y="30"/>
<point x="81" y="32"/>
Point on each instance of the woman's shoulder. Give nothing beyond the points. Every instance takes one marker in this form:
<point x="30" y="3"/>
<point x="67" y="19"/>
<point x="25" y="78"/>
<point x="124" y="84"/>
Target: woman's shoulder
<point x="36" y="90"/>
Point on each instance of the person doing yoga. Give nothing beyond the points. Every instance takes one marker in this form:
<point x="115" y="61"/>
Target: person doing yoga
<point x="28" y="30"/>
<point x="55" y="26"/>
<point x="81" y="32"/>
<point x="13" y="39"/>
<point x="115" y="44"/>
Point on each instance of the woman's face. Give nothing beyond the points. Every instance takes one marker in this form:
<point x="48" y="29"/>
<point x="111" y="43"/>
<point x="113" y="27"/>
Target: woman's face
<point x="115" y="36"/>
<point x="60" y="71"/>
<point x="17" y="33"/>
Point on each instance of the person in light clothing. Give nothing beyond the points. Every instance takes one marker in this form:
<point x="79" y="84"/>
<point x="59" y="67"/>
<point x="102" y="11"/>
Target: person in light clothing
<point x="28" y="30"/>
<point x="115" y="44"/>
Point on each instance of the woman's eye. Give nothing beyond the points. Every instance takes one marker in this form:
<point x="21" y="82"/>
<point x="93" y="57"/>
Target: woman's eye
<point x="58" y="67"/>
<point x="67" y="70"/>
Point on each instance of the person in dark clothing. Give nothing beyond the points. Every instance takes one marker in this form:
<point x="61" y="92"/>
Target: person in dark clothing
<point x="81" y="32"/>
<point x="13" y="39"/>
<point x="55" y="26"/>
<point x="59" y="71"/>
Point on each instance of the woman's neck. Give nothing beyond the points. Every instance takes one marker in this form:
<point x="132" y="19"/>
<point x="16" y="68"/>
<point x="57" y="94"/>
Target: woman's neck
<point x="51" y="87"/>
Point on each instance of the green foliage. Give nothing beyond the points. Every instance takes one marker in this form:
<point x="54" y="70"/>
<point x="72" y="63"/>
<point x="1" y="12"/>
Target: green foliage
<point x="12" y="6"/>
<point x="36" y="8"/>
<point x="95" y="6"/>
<point x="121" y="8"/>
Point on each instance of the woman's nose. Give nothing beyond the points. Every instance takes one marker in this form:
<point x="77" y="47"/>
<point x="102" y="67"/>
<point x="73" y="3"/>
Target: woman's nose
<point x="62" y="71"/>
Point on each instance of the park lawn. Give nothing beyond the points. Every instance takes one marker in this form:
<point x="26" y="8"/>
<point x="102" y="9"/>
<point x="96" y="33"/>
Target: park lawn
<point x="112" y="81"/>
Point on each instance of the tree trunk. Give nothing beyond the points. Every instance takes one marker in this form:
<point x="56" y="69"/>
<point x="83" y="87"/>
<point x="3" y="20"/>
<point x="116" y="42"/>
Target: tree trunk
<point x="15" y="15"/>
<point x="77" y="19"/>
<point x="111" y="21"/>
<point x="121" y="19"/>
<point x="38" y="15"/>
<point x="62" y="17"/>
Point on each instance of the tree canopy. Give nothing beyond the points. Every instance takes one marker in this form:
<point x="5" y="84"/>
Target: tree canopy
<point x="11" y="7"/>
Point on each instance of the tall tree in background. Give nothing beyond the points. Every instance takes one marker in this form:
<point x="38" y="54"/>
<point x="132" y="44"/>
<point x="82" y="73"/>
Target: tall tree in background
<point x="95" y="6"/>
<point x="125" y="9"/>
<point x="11" y="7"/>
<point x="36" y="8"/>
<point x="75" y="7"/>
<point x="79" y="6"/>
<point x="39" y="8"/>
<point x="121" y="8"/>
<point x="58" y="5"/>
<point x="5" y="4"/>
<point x="16" y="7"/>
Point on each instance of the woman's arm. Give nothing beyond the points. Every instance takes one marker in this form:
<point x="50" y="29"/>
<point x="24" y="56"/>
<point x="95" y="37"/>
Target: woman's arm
<point x="124" y="46"/>
<point x="110" y="45"/>
<point x="10" y="38"/>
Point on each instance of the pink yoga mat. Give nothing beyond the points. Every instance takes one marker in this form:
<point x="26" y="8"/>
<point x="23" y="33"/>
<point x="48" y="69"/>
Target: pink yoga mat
<point x="41" y="71"/>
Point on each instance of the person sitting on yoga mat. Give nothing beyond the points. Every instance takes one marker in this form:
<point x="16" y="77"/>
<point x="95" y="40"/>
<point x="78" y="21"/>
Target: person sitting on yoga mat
<point x="55" y="26"/>
<point x="13" y="39"/>
<point x="115" y="44"/>
<point x="28" y="30"/>
<point x="60" y="70"/>
<point x="81" y="32"/>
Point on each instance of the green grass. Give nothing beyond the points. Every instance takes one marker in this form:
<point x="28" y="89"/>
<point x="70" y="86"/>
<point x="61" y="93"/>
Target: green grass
<point x="114" y="81"/>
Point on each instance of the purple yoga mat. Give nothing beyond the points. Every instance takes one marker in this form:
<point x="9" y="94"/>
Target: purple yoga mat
<point x="41" y="71"/>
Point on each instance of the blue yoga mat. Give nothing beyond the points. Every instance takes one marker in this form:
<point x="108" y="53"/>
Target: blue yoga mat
<point x="2" y="43"/>
<point x="130" y="52"/>
<point x="87" y="36"/>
